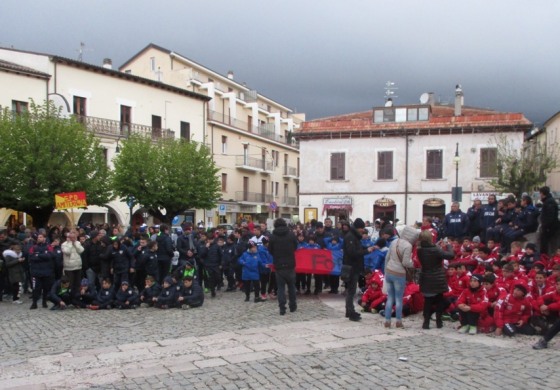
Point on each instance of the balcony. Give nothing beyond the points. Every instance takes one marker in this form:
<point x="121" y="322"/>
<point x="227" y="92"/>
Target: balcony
<point x="290" y="172"/>
<point x="253" y="197"/>
<point x="289" y="201"/>
<point x="266" y="131"/>
<point x="112" y="128"/>
<point x="254" y="164"/>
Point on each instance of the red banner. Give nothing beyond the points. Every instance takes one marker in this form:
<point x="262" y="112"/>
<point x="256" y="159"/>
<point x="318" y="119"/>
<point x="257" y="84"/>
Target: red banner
<point x="69" y="200"/>
<point x="315" y="261"/>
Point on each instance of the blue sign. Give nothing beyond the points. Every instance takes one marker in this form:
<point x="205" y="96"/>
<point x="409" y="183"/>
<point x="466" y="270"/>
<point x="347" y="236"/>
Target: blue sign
<point x="175" y="220"/>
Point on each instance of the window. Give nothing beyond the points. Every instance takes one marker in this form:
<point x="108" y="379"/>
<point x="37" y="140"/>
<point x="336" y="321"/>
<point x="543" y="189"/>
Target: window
<point x="434" y="164"/>
<point x="337" y="166"/>
<point x="263" y="191"/>
<point x="19" y="107"/>
<point x="186" y="131"/>
<point x="423" y="114"/>
<point x="126" y="115"/>
<point x="384" y="165"/>
<point x="488" y="162"/>
<point x="153" y="63"/>
<point x="276" y="185"/>
<point x="250" y="124"/>
<point x="156" y="126"/>
<point x="224" y="144"/>
<point x="224" y="182"/>
<point x="79" y="106"/>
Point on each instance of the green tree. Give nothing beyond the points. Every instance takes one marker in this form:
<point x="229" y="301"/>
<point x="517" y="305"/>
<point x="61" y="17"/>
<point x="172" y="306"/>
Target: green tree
<point x="166" y="177"/>
<point x="44" y="154"/>
<point x="522" y="170"/>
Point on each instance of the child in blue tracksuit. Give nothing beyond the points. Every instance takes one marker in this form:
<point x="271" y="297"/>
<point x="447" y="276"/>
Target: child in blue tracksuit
<point x="105" y="295"/>
<point x="250" y="262"/>
<point x="264" y="270"/>
<point x="335" y="245"/>
<point x="126" y="297"/>
<point x="166" y="298"/>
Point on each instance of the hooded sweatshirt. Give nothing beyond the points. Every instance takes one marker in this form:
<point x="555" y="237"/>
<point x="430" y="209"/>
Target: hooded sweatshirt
<point x="400" y="253"/>
<point x="282" y="247"/>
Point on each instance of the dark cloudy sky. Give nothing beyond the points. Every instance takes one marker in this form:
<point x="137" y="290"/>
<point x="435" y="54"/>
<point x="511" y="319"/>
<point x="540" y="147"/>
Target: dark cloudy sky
<point x="323" y="57"/>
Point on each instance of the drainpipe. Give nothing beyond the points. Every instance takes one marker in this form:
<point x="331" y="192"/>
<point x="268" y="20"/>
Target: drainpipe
<point x="406" y="181"/>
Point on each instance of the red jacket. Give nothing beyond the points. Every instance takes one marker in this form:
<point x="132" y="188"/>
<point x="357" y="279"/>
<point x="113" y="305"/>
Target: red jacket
<point x="458" y="284"/>
<point x="496" y="294"/>
<point x="550" y="299"/>
<point x="373" y="297"/>
<point x="507" y="284"/>
<point x="513" y="310"/>
<point x="477" y="300"/>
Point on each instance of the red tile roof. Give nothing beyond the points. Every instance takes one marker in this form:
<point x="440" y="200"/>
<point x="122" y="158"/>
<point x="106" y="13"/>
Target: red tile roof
<point x="442" y="121"/>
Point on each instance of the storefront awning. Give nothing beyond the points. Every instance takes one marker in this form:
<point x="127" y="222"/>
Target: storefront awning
<point x="347" y="207"/>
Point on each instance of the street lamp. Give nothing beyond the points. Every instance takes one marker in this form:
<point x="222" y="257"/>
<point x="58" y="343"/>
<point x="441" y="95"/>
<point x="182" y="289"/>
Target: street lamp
<point x="457" y="194"/>
<point x="118" y="149"/>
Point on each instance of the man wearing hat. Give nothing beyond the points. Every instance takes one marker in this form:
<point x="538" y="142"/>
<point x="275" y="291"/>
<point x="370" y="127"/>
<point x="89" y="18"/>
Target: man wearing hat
<point x="354" y="257"/>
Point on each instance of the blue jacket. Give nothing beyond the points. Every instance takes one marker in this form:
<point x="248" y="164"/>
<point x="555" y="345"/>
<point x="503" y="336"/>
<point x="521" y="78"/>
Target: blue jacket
<point x="126" y="295"/>
<point x="527" y="220"/>
<point x="150" y="292"/>
<point x="265" y="257"/>
<point x="456" y="224"/>
<point x="489" y="215"/>
<point x="193" y="296"/>
<point x="250" y="263"/>
<point x="106" y="296"/>
<point x="41" y="262"/>
<point x="120" y="259"/>
<point x="167" y="296"/>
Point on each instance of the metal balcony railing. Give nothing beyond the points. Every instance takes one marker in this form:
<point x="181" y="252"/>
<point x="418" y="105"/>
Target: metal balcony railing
<point x="289" y="201"/>
<point x="267" y="130"/>
<point x="252" y="162"/>
<point x="253" y="197"/>
<point x="290" y="171"/>
<point x="109" y="127"/>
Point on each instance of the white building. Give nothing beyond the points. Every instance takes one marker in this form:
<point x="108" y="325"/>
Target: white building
<point x="112" y="104"/>
<point x="400" y="161"/>
<point x="250" y="136"/>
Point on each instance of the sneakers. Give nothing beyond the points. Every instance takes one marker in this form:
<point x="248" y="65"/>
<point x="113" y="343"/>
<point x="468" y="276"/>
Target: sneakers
<point x="259" y="299"/>
<point x="246" y="299"/>
<point x="264" y="297"/>
<point x="541" y="344"/>
<point x="282" y="311"/>
<point x="45" y="306"/>
<point x="464" y="329"/>
<point x="17" y="302"/>
<point x="399" y="324"/>
<point x="387" y="324"/>
<point x="294" y="308"/>
<point x="472" y="330"/>
<point x="92" y="307"/>
<point x="33" y="306"/>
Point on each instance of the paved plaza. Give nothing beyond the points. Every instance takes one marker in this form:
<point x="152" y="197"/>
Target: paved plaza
<point x="231" y="344"/>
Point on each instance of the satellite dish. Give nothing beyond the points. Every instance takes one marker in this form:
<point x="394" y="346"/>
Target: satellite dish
<point x="424" y="98"/>
<point x="389" y="103"/>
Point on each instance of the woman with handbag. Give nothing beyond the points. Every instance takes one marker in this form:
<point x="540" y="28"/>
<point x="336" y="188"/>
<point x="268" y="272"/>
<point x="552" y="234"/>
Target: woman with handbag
<point x="398" y="260"/>
<point x="433" y="281"/>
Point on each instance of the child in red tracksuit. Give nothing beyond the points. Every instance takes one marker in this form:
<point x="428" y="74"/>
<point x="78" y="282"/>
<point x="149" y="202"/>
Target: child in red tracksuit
<point x="549" y="303"/>
<point x="513" y="313"/>
<point x="508" y="280"/>
<point x="472" y="304"/>
<point x="373" y="300"/>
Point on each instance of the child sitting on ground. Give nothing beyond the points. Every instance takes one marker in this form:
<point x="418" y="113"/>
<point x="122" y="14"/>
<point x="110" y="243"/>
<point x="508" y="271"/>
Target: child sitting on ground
<point x="513" y="314"/>
<point x="191" y="294"/>
<point x="472" y="304"/>
<point x="61" y="294"/>
<point x="151" y="290"/>
<point x="126" y="297"/>
<point x="86" y="296"/>
<point x="166" y="298"/>
<point x="373" y="300"/>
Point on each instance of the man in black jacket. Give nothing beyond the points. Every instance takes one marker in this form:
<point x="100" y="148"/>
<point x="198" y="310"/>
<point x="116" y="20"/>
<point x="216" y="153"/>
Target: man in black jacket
<point x="282" y="246"/>
<point x="549" y="219"/>
<point x="164" y="253"/>
<point x="354" y="256"/>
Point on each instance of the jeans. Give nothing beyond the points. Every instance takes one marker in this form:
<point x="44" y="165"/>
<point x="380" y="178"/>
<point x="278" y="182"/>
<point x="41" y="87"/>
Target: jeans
<point x="286" y="277"/>
<point x="395" y="291"/>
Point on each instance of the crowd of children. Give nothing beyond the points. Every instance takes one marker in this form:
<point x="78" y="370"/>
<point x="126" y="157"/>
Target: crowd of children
<point x="488" y="291"/>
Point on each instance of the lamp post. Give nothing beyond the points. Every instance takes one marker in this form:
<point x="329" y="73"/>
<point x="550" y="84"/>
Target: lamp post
<point x="456" y="193"/>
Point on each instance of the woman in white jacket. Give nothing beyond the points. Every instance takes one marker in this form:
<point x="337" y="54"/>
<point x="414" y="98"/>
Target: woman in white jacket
<point x="72" y="261"/>
<point x="398" y="259"/>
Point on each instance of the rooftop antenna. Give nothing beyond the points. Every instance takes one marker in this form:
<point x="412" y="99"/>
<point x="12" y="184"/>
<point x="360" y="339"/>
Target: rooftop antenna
<point x="390" y="89"/>
<point x="81" y="51"/>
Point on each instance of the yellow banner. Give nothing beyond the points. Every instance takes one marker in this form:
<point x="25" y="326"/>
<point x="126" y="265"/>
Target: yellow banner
<point x="70" y="200"/>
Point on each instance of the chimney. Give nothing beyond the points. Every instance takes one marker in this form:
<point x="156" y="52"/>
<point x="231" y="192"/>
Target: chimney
<point x="230" y="74"/>
<point x="431" y="99"/>
<point x="107" y="63"/>
<point x="459" y="99"/>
